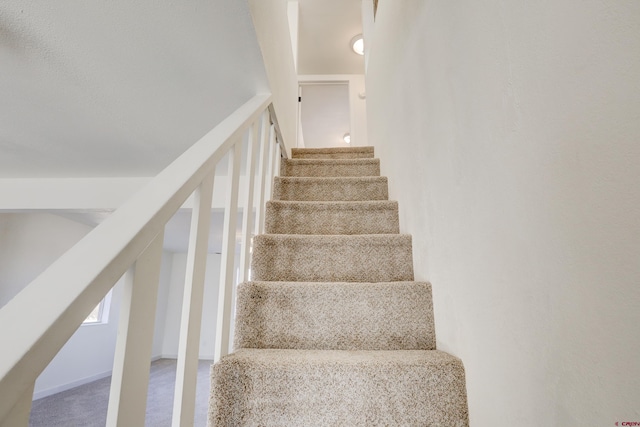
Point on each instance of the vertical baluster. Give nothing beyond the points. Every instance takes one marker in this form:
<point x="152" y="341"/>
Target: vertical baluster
<point x="262" y="171"/>
<point x="19" y="414"/>
<point x="130" y="379"/>
<point x="247" y="210"/>
<point x="189" y="341"/>
<point x="271" y="167"/>
<point x="223" y="323"/>
<point x="278" y="154"/>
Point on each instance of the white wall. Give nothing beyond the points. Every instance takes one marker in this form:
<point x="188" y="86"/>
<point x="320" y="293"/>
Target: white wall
<point x="293" y="15"/>
<point x="174" y="306"/>
<point x="510" y="131"/>
<point x="358" y="106"/>
<point x="271" y="22"/>
<point x="29" y="243"/>
<point x="163" y="302"/>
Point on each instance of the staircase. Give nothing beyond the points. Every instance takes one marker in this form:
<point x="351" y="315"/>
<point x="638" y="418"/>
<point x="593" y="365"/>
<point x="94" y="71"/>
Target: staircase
<point x="333" y="331"/>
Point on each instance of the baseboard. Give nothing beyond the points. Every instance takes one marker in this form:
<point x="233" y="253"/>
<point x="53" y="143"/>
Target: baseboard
<point x="68" y="386"/>
<point x="175" y="356"/>
<point x="82" y="381"/>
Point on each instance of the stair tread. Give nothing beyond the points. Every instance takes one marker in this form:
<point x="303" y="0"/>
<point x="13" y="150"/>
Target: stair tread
<point x="337" y="315"/>
<point x="332" y="387"/>
<point x="328" y="150"/>
<point x="376" y="358"/>
<point x="346" y="205"/>
<point x="333" y="179"/>
<point x="332" y="161"/>
<point x="337" y="239"/>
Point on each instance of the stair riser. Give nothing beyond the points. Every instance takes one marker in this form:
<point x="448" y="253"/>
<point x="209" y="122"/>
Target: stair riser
<point x="369" y="258"/>
<point x="333" y="156"/>
<point x="333" y="153"/>
<point x="330" y="189"/>
<point x="304" y="394"/>
<point x="335" y="316"/>
<point x="328" y="168"/>
<point x="306" y="218"/>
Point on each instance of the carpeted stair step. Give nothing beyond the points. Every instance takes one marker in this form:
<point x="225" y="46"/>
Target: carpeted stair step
<point x="330" y="189"/>
<point x="333" y="153"/>
<point x="335" y="316"/>
<point x="330" y="167"/>
<point x="335" y="258"/>
<point x="255" y="387"/>
<point x="370" y="217"/>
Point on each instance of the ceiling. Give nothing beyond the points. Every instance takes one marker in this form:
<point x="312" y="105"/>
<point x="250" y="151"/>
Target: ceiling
<point x="326" y="28"/>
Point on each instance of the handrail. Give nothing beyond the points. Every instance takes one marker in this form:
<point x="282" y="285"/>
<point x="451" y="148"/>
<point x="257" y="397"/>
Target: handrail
<point x="278" y="133"/>
<point x="51" y="308"/>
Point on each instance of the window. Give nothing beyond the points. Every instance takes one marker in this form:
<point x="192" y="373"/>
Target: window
<point x="100" y="314"/>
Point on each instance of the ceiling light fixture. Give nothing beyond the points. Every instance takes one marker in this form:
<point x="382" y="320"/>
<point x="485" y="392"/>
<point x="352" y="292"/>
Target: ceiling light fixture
<point x="357" y="44"/>
<point x="347" y="138"/>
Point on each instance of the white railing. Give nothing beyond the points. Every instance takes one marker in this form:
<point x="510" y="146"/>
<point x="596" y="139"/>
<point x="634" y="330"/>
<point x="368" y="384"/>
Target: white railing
<point x="51" y="308"/>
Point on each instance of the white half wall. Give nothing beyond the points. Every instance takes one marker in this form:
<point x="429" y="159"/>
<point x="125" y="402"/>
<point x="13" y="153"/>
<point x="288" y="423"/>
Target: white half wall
<point x="510" y="135"/>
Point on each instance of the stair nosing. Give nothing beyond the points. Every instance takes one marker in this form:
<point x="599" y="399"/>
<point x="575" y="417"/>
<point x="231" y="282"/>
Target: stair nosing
<point x="332" y="161"/>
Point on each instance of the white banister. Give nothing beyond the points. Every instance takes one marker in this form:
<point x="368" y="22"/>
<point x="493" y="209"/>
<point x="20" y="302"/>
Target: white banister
<point x="278" y="160"/>
<point x="265" y="129"/>
<point x="51" y="308"/>
<point x="271" y="165"/>
<point x="247" y="208"/>
<point x="130" y="377"/>
<point x="189" y="341"/>
<point x="19" y="415"/>
<point x="227" y="279"/>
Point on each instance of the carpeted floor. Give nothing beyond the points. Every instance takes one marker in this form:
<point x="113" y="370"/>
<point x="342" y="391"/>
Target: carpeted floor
<point x="334" y="330"/>
<point x="86" y="406"/>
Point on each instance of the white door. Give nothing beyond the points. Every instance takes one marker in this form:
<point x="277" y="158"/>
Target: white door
<point x="324" y="115"/>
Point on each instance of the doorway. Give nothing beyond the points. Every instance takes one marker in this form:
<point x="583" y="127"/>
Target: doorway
<point x="325" y="114"/>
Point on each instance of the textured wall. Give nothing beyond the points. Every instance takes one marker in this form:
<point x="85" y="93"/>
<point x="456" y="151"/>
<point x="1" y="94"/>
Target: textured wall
<point x="272" y="29"/>
<point x="509" y="131"/>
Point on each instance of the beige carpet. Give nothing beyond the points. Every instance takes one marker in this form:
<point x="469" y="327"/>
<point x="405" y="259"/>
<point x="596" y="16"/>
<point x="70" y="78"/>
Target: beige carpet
<point x="333" y="331"/>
